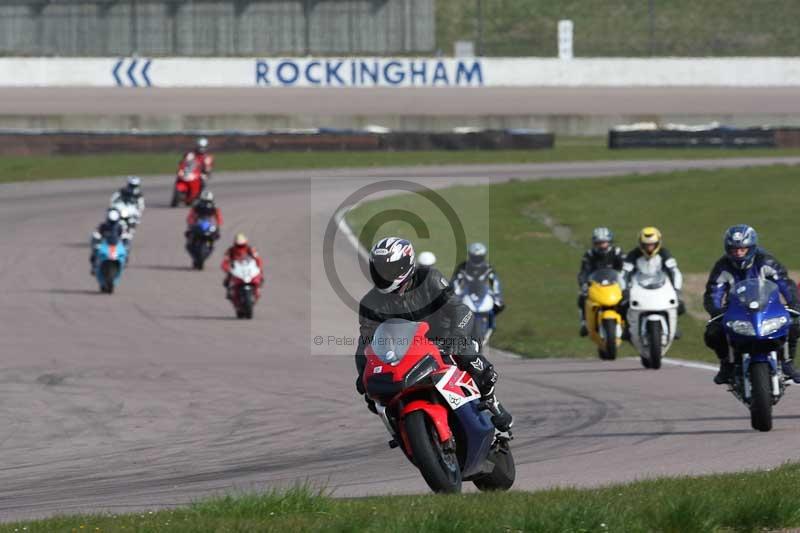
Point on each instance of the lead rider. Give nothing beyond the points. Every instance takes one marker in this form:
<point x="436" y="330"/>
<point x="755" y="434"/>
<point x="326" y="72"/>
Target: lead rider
<point x="744" y="259"/>
<point x="418" y="293"/>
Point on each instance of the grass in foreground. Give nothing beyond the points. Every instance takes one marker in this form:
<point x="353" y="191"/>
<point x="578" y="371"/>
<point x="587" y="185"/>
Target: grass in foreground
<point x="31" y="168"/>
<point x="753" y="501"/>
<point x="538" y="265"/>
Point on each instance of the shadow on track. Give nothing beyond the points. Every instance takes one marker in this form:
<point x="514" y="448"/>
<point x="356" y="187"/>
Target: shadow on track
<point x="71" y="291"/>
<point x="593" y="371"/>
<point x="651" y="434"/>
<point x="199" y="317"/>
<point x="172" y="268"/>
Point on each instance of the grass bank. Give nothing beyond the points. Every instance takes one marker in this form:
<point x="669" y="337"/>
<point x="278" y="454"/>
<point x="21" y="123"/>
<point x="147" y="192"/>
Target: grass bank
<point x="31" y="168"/>
<point x="683" y="28"/>
<point x="754" y="501"/>
<point x="537" y="231"/>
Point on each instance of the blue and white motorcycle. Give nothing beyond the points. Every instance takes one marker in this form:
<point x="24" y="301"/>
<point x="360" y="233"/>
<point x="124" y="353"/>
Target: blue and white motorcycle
<point x="109" y="262"/>
<point x="475" y="294"/>
<point x="757" y="326"/>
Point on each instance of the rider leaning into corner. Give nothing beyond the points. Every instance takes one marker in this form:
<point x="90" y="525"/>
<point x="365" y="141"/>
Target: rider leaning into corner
<point x="743" y="260"/>
<point x="405" y="290"/>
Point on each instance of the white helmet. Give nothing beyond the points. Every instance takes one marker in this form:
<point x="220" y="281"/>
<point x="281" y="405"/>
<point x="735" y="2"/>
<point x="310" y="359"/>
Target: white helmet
<point x="426" y="258"/>
<point x="202" y="145"/>
<point x="112" y="215"/>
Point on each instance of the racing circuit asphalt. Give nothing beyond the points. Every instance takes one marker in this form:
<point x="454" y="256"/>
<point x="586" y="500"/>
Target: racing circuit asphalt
<point x="156" y="395"/>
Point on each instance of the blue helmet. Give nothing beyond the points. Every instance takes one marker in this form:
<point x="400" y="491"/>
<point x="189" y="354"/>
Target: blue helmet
<point x="741" y="236"/>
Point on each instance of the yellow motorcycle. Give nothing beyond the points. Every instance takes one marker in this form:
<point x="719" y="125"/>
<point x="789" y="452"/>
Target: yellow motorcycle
<point x="603" y="317"/>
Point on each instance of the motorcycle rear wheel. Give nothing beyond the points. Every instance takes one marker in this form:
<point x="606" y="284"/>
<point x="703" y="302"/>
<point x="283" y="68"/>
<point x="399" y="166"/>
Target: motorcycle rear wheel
<point x="654" y="339"/>
<point x="761" y="397"/>
<point x="438" y="467"/>
<point x="504" y="473"/>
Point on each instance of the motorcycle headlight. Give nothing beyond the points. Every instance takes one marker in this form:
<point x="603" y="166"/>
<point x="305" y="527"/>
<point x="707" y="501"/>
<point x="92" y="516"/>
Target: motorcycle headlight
<point x="742" y="327"/>
<point x="771" y="325"/>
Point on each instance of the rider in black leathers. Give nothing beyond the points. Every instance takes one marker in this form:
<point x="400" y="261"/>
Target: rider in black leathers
<point x="602" y="254"/>
<point x="410" y="292"/>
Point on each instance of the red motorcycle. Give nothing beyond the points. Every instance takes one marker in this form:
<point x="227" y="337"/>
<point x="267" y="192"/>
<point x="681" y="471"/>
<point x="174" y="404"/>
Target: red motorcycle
<point x="433" y="411"/>
<point x="188" y="182"/>
<point x="245" y="279"/>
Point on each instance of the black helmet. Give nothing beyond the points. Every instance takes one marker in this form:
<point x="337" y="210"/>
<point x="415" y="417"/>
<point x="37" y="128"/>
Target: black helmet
<point x="741" y="236"/>
<point x="391" y="263"/>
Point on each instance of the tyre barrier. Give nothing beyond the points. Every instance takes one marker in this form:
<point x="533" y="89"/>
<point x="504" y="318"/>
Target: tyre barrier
<point x="49" y="142"/>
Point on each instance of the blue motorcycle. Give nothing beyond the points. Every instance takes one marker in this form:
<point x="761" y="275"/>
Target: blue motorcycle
<point x="200" y="241"/>
<point x="757" y="327"/>
<point x="109" y="262"/>
<point x="475" y="294"/>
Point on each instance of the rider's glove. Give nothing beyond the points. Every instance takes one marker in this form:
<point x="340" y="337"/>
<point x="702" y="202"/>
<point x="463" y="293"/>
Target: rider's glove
<point x="499" y="307"/>
<point x="360" y="385"/>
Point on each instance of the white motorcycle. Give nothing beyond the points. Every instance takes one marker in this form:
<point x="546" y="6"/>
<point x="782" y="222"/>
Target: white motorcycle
<point x="652" y="316"/>
<point x="244" y="273"/>
<point x="475" y="294"/>
<point x="129" y="215"/>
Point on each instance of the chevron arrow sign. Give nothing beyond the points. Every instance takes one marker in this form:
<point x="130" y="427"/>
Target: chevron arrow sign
<point x="132" y="72"/>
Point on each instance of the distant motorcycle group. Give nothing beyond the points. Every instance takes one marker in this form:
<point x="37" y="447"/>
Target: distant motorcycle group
<point x="111" y="242"/>
<point x="751" y="300"/>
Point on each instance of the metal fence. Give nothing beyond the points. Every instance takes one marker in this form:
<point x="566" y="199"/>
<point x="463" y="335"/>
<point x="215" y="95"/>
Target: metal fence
<point x="215" y="27"/>
<point x="623" y="28"/>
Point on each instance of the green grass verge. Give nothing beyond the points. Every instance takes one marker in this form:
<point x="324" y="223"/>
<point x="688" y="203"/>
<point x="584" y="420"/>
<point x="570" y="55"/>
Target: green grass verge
<point x="754" y="501"/>
<point x="31" y="168"/>
<point x="538" y="270"/>
<point x="624" y="28"/>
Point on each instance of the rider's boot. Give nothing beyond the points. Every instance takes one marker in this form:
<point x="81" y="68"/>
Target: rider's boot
<point x="485" y="377"/>
<point x="725" y="374"/>
<point x="789" y="370"/>
<point x="584" y="331"/>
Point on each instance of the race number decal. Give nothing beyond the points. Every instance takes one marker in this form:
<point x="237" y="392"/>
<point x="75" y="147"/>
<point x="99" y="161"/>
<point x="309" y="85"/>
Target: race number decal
<point x="457" y="388"/>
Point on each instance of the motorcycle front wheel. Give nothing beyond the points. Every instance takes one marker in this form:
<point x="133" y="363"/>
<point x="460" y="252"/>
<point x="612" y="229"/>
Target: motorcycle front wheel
<point x="654" y="339"/>
<point x="609" y="351"/>
<point x="438" y="467"/>
<point x="761" y="397"/>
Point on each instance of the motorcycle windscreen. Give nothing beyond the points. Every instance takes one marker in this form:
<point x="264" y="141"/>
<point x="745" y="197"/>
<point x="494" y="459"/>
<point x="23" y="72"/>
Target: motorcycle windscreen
<point x="651" y="280"/>
<point x="606" y="276"/>
<point x="754" y="293"/>
<point x="481" y="300"/>
<point x="393" y="339"/>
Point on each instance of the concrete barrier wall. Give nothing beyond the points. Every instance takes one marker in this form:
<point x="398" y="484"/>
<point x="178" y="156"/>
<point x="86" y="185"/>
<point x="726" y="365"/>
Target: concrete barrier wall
<point x="397" y="72"/>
